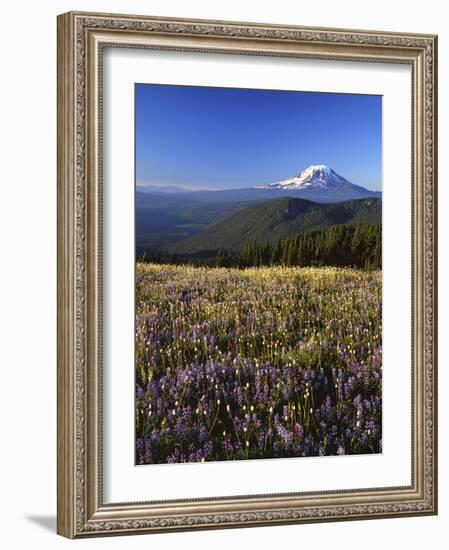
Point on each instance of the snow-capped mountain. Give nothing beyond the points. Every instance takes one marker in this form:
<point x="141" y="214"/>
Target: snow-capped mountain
<point x="314" y="177"/>
<point x="321" y="182"/>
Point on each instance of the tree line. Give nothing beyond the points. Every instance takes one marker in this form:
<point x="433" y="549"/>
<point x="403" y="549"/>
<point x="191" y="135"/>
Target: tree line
<point x="356" y="245"/>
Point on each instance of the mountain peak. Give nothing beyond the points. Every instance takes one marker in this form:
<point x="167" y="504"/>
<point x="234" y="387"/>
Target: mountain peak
<point x="318" y="177"/>
<point x="314" y="168"/>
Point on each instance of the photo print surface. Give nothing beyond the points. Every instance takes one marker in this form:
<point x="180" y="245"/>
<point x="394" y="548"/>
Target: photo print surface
<point x="258" y="291"/>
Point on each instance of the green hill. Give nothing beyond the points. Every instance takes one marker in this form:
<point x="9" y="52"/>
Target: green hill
<point x="277" y="219"/>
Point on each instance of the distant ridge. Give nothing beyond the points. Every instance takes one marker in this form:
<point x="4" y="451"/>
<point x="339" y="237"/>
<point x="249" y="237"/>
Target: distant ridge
<point x="317" y="183"/>
<point x="277" y="219"/>
<point x="168" y="189"/>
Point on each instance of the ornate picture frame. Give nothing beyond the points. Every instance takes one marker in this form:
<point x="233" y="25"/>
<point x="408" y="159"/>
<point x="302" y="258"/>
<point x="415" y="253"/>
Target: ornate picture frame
<point x="82" y="38"/>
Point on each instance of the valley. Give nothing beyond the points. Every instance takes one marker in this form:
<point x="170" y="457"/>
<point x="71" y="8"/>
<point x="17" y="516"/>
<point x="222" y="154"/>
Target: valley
<point x="202" y="226"/>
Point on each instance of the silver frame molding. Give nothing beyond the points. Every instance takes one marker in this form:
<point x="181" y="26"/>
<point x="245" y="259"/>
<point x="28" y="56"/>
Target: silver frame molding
<point x="81" y="38"/>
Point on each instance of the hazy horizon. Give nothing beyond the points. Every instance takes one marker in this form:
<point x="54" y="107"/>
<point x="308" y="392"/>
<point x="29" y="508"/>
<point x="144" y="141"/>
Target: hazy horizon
<point x="203" y="138"/>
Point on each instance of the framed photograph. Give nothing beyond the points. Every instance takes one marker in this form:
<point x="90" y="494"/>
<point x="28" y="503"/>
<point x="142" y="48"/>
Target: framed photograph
<point x="247" y="274"/>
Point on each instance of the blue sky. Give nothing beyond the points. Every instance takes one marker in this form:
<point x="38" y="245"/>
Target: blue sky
<point x="223" y="138"/>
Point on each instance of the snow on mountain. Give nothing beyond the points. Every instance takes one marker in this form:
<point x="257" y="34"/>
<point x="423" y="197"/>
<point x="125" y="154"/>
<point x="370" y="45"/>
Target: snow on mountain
<point x="314" y="178"/>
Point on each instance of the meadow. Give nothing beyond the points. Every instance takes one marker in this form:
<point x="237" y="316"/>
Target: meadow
<point x="261" y="362"/>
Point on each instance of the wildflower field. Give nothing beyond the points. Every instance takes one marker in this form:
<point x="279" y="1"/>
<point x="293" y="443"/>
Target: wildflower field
<point x="257" y="363"/>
